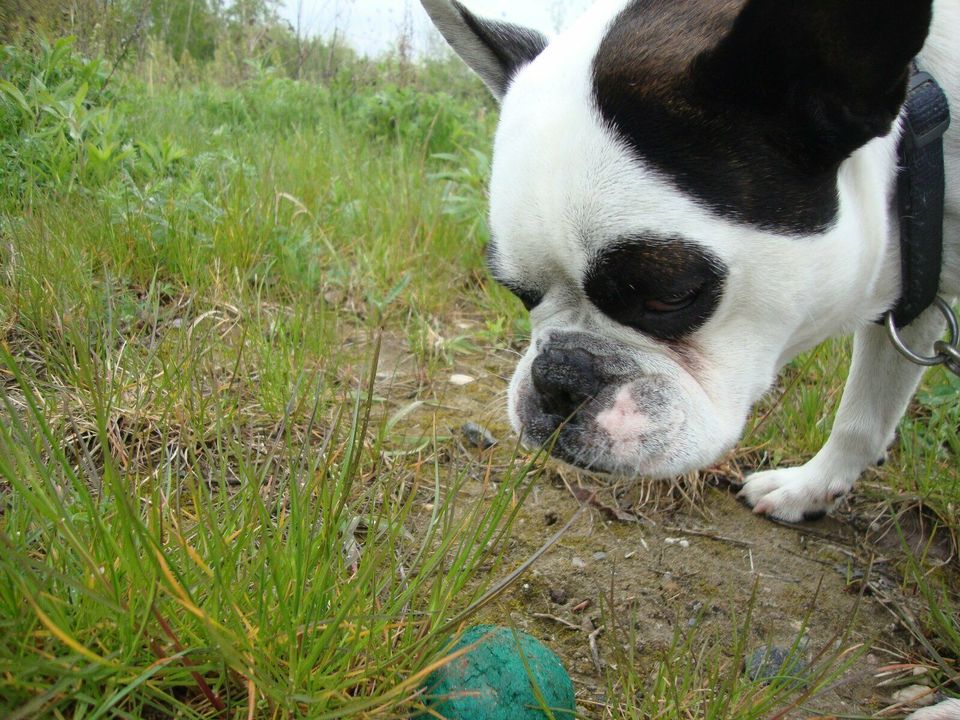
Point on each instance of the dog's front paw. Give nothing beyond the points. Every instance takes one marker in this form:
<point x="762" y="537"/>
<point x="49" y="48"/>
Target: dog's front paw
<point x="794" y="494"/>
<point x="947" y="710"/>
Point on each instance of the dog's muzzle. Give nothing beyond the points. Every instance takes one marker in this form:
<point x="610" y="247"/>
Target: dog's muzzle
<point x="596" y="404"/>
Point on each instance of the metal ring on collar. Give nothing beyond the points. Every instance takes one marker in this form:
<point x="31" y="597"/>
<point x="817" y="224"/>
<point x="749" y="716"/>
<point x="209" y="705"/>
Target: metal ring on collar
<point x="945" y="350"/>
<point x="950" y="355"/>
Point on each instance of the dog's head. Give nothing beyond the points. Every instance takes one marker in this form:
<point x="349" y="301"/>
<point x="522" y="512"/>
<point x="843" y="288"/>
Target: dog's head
<point x="685" y="194"/>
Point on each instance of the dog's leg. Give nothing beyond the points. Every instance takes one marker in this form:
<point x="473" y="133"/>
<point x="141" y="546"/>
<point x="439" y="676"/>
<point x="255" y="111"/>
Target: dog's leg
<point x="876" y="395"/>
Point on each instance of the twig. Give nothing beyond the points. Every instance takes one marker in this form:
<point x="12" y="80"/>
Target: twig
<point x="588" y="496"/>
<point x="711" y="536"/>
<point x="558" y="620"/>
<point x="826" y="563"/>
<point x="197" y="677"/>
<point x="582" y="606"/>
<point x="898" y="707"/>
<point x="125" y="47"/>
<point x="778" y="578"/>
<point x="594" y="650"/>
<point x="806" y="529"/>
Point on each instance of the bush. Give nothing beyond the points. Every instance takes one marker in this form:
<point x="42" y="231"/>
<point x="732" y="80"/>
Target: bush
<point x="266" y="103"/>
<point x="57" y="127"/>
<point x="434" y="121"/>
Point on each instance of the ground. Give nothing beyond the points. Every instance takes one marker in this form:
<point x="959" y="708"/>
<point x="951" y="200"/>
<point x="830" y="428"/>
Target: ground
<point x="656" y="567"/>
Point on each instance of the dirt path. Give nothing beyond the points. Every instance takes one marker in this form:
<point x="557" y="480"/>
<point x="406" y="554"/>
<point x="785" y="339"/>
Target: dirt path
<point x="699" y="570"/>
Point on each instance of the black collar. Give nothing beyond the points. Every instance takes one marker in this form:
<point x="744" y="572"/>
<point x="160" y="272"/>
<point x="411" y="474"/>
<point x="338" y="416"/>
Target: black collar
<point x="920" y="195"/>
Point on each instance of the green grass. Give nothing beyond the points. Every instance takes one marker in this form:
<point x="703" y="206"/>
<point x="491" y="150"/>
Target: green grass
<point x="254" y="567"/>
<point x="205" y="498"/>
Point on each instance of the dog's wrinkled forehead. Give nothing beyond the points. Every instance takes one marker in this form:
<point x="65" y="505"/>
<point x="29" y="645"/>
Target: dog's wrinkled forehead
<point x="691" y="119"/>
<point x="654" y="82"/>
<point x="569" y="181"/>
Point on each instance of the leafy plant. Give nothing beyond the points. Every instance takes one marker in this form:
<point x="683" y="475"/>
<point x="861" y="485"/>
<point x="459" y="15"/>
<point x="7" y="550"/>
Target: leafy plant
<point x="435" y="122"/>
<point x="59" y="128"/>
<point x="465" y="177"/>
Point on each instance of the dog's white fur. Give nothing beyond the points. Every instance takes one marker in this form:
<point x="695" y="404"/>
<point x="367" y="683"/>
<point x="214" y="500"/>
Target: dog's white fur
<point x="947" y="710"/>
<point x="881" y="382"/>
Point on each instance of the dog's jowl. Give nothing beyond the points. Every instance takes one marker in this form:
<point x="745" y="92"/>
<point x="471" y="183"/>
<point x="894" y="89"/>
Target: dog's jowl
<point x="688" y="193"/>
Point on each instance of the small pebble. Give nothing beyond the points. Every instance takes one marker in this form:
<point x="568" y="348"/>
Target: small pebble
<point x="559" y="595"/>
<point x="461" y="380"/>
<point x="915" y="696"/>
<point x="578" y="563"/>
<point x="670" y="587"/>
<point x="477" y="436"/>
<point x="582" y="606"/>
<point x="769" y="662"/>
<point x="599" y="556"/>
<point x="677" y="541"/>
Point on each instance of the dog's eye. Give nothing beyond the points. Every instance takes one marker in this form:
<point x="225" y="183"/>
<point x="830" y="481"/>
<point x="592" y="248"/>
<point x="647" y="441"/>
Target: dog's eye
<point x="662" y="287"/>
<point x="672" y="303"/>
<point x="529" y="298"/>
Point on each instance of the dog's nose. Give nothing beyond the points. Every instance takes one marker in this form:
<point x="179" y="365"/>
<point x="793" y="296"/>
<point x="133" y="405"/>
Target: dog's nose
<point x="564" y="379"/>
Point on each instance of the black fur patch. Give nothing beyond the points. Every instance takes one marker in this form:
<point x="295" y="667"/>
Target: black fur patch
<point x="750" y="107"/>
<point x="512" y="46"/>
<point x="624" y="279"/>
<point x="530" y="296"/>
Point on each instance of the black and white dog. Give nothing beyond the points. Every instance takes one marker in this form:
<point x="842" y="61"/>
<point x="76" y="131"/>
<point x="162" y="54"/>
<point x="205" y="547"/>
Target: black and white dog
<point x="688" y="193"/>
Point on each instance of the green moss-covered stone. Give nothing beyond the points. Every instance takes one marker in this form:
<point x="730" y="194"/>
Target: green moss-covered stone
<point x="494" y="680"/>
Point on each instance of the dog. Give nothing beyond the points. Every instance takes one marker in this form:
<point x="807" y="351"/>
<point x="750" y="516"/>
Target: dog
<point x="686" y="194"/>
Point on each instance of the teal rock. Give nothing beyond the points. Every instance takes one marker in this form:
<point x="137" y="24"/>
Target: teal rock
<point x="492" y="681"/>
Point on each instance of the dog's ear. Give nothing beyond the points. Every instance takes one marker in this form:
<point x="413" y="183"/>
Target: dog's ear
<point x="830" y="74"/>
<point x="494" y="50"/>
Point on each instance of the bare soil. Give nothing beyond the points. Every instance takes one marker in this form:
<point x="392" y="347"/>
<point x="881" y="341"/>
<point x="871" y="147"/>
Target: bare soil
<point x="649" y="562"/>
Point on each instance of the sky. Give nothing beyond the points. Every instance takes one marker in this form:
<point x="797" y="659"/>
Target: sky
<point x="373" y="26"/>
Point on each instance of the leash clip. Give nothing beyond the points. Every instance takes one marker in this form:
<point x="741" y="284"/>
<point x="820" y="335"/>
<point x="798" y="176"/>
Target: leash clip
<point x="947" y="352"/>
